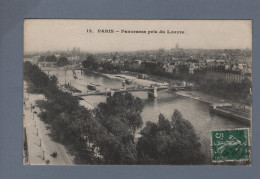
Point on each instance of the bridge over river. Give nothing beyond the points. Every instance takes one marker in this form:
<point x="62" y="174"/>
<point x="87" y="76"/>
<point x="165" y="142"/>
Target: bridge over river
<point x="152" y="91"/>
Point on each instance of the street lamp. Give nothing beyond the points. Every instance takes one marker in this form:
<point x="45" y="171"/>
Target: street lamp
<point x="34" y="113"/>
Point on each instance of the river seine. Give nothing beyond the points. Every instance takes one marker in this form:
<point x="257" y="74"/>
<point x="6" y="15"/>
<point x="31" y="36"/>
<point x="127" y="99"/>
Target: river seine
<point x="195" y="111"/>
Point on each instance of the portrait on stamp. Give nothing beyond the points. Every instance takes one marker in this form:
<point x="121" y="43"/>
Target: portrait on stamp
<point x="230" y="145"/>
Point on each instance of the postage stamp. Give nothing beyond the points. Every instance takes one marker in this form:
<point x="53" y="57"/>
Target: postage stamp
<point x="230" y="145"/>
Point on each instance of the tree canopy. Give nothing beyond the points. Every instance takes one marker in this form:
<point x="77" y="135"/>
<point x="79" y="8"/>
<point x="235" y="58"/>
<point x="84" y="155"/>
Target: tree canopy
<point x="90" y="62"/>
<point x="121" y="116"/>
<point x="63" y="61"/>
<point x="169" y="142"/>
<point x="48" y="58"/>
<point x="124" y="108"/>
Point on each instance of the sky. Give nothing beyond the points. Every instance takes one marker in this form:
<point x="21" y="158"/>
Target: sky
<point x="52" y="35"/>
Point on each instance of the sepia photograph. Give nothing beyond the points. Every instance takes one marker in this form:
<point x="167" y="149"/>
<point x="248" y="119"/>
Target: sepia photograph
<point x="137" y="92"/>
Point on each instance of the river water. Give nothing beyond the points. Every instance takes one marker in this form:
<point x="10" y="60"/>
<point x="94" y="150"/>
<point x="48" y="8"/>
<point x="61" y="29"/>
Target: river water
<point x="195" y="111"/>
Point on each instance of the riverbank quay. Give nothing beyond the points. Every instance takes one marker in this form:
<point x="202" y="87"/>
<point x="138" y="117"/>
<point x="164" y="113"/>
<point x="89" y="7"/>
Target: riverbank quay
<point x="40" y="145"/>
<point x="225" y="108"/>
<point x="241" y="115"/>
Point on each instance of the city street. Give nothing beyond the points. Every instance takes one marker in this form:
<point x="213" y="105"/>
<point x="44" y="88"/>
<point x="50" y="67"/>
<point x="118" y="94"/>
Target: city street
<point x="40" y="144"/>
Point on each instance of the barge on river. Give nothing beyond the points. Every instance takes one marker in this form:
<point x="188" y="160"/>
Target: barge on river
<point x="71" y="88"/>
<point x="92" y="87"/>
<point x="228" y="111"/>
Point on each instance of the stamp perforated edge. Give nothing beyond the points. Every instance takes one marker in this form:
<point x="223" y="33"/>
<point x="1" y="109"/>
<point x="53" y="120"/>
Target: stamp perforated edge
<point x="240" y="160"/>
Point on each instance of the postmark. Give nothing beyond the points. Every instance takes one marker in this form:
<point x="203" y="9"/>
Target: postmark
<point x="230" y="145"/>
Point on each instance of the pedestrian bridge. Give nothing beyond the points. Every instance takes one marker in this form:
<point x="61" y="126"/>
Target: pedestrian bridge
<point x="152" y="91"/>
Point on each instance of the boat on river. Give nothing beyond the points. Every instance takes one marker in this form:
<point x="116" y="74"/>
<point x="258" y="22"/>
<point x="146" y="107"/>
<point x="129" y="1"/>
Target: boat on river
<point x="128" y="82"/>
<point x="92" y="87"/>
<point x="71" y="88"/>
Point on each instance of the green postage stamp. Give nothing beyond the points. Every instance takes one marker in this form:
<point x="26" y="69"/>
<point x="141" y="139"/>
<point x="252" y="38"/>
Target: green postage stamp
<point x="230" y="145"/>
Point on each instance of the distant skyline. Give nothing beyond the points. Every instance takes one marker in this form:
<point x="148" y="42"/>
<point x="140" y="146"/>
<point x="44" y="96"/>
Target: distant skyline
<point x="53" y="35"/>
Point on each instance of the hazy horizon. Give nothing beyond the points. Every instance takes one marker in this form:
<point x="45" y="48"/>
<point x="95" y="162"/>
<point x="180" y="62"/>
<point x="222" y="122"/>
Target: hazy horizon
<point x="42" y="35"/>
<point x="123" y="51"/>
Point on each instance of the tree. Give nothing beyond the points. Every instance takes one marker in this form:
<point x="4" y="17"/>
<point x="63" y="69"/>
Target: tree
<point x="121" y="117"/>
<point x="169" y="142"/>
<point x="63" y="61"/>
<point x="27" y="69"/>
<point x="90" y="62"/>
<point x="124" y="107"/>
<point x="51" y="58"/>
<point x="41" y="59"/>
<point x="117" y="151"/>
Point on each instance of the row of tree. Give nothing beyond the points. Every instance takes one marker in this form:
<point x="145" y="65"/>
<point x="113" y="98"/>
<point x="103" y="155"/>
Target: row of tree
<point x="62" y="61"/>
<point x="92" y="64"/>
<point x="106" y="135"/>
<point x="239" y="92"/>
<point x="47" y="58"/>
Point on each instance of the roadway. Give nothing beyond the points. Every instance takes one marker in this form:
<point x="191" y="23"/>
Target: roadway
<point x="40" y="142"/>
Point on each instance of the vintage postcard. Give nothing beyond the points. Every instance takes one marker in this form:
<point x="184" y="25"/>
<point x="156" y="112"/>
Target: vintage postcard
<point x="137" y="92"/>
